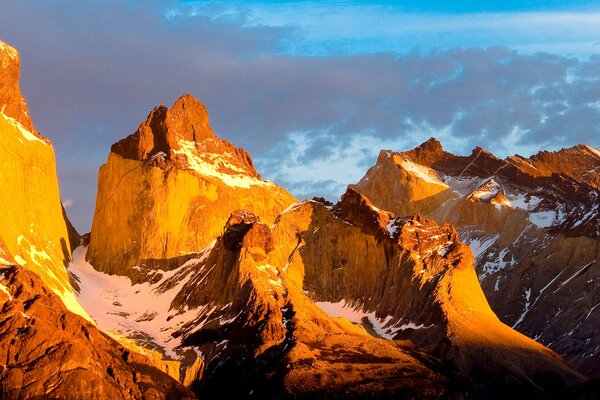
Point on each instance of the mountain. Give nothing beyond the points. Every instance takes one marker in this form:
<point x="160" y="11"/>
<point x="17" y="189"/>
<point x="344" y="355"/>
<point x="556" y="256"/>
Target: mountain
<point x="343" y="299"/>
<point x="33" y="228"/>
<point x="248" y="293"/>
<point x="51" y="352"/>
<point x="47" y="350"/>
<point x="168" y="189"/>
<point x="201" y="279"/>
<point x="533" y="225"/>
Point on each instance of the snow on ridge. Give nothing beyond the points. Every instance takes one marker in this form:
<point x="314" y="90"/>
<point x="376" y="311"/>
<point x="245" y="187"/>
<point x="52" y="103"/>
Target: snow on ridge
<point x="139" y="312"/>
<point x="4" y="289"/>
<point x="26" y="134"/>
<point x="422" y="172"/>
<point x="197" y="164"/>
<point x="11" y="51"/>
<point x="593" y="150"/>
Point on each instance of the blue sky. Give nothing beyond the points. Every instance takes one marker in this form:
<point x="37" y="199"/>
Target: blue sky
<point x="313" y="90"/>
<point x="344" y="27"/>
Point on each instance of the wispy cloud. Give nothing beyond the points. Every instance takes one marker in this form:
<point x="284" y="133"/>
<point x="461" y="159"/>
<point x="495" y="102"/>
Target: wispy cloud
<point x="320" y="28"/>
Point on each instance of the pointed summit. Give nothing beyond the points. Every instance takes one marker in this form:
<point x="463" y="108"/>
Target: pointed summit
<point x="427" y="153"/>
<point x="12" y="104"/>
<point x="184" y="136"/>
<point x="432" y="145"/>
<point x="168" y="188"/>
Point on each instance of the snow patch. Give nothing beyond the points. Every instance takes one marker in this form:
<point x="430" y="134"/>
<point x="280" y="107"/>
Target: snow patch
<point x="392" y="228"/>
<point x="543" y="219"/>
<point x="422" y="172"/>
<point x="526" y="309"/>
<point x="198" y="164"/>
<point x="355" y="315"/>
<point x="26" y="134"/>
<point x="139" y="312"/>
<point x="479" y="245"/>
<point x="524" y="201"/>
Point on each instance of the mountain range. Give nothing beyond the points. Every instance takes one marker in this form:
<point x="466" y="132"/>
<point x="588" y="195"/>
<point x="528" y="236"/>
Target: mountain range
<point x="434" y="276"/>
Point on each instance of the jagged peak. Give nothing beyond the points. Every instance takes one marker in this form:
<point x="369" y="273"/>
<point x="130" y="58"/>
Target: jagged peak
<point x="357" y="209"/>
<point x="428" y="153"/>
<point x="567" y="151"/>
<point x="12" y="104"/>
<point x="183" y="137"/>
<point x="164" y="129"/>
<point x="431" y="145"/>
<point x="479" y="151"/>
<point x="9" y="51"/>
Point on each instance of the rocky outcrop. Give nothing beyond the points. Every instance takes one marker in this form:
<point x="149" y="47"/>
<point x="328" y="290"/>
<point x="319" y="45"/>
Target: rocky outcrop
<point x="33" y="227"/>
<point x="13" y="105"/>
<point x="49" y="352"/>
<point x="533" y="225"/>
<point x="168" y="189"/>
<point x="345" y="299"/>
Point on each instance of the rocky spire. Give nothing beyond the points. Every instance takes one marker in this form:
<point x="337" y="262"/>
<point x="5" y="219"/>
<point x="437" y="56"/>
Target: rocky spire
<point x="12" y="104"/>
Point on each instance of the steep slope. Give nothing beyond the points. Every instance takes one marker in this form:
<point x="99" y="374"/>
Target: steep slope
<point x="167" y="190"/>
<point x="262" y="305"/>
<point x="50" y="352"/>
<point x="33" y="227"/>
<point x="533" y="225"/>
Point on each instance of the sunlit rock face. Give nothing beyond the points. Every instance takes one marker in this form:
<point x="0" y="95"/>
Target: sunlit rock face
<point x="32" y="227"/>
<point x="49" y="352"/>
<point x="329" y="299"/>
<point x="533" y="225"/>
<point x="168" y="189"/>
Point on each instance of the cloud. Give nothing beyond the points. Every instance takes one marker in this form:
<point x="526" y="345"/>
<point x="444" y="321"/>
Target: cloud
<point x="92" y="72"/>
<point x="67" y="203"/>
<point x="331" y="26"/>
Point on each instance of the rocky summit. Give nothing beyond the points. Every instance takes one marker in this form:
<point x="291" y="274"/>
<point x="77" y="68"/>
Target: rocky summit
<point x="167" y="189"/>
<point x="436" y="276"/>
<point x="533" y="225"/>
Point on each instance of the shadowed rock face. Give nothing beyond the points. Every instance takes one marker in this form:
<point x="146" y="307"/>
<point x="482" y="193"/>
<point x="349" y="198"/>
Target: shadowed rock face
<point x="533" y="224"/>
<point x="168" y="189"/>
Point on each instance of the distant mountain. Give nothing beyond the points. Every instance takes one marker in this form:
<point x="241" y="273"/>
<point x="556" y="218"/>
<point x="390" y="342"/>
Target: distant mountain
<point x="533" y="225"/>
